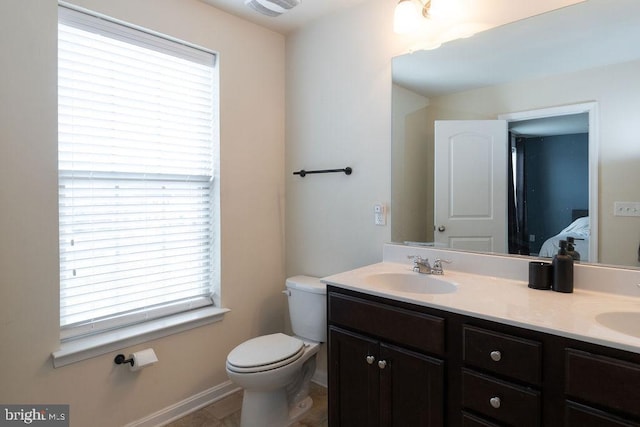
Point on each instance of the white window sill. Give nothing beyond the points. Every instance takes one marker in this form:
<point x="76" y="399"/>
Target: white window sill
<point x="103" y="343"/>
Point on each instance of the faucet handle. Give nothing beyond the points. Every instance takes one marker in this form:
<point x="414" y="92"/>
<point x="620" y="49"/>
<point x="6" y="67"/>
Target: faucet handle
<point x="419" y="263"/>
<point x="437" y="265"/>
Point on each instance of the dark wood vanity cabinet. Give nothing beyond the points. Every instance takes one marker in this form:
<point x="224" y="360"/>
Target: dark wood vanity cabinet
<point x="377" y="384"/>
<point x="397" y="364"/>
<point x="376" y="379"/>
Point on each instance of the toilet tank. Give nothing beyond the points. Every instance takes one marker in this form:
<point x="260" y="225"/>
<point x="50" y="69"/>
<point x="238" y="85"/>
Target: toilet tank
<point x="308" y="307"/>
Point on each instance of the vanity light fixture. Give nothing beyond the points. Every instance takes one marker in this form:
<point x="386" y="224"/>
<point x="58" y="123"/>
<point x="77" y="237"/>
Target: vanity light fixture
<point x="408" y="15"/>
<point x="272" y="8"/>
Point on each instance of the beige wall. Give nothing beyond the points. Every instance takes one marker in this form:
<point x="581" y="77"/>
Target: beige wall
<point x="252" y="187"/>
<point x="411" y="174"/>
<point x="338" y="114"/>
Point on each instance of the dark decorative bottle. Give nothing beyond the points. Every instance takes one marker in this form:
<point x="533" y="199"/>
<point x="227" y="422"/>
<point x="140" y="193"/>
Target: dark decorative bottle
<point x="562" y="270"/>
<point x="571" y="249"/>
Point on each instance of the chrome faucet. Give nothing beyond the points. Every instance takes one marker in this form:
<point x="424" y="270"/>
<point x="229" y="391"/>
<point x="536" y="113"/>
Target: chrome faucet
<point x="421" y="265"/>
<point x="437" y="266"/>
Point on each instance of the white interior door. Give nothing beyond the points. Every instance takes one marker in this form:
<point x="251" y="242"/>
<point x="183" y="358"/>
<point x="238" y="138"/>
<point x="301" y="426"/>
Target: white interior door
<point x="471" y="184"/>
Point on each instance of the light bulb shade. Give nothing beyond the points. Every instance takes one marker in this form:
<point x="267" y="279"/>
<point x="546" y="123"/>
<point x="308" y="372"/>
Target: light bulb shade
<point x="407" y="17"/>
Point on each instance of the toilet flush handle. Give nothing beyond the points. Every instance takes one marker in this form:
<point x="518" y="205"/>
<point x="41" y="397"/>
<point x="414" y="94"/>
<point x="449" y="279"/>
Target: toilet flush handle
<point x="287" y="292"/>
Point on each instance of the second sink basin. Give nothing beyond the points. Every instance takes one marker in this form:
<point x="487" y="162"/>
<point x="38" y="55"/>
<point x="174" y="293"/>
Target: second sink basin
<point x="626" y="322"/>
<point x="411" y="282"/>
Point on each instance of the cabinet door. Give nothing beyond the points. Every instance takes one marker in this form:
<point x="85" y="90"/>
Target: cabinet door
<point x="411" y="388"/>
<point x="603" y="381"/>
<point x="353" y="379"/>
<point x="577" y="415"/>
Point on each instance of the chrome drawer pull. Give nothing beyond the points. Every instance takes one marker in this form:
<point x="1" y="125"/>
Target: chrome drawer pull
<point x="495" y="355"/>
<point x="382" y="364"/>
<point x="370" y="359"/>
<point x="495" y="402"/>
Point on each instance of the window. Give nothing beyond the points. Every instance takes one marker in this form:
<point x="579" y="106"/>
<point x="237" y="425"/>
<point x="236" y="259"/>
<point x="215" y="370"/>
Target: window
<point x="137" y="131"/>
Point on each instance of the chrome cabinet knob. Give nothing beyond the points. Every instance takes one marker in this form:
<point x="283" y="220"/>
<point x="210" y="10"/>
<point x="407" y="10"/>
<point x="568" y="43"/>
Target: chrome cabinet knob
<point x="370" y="360"/>
<point x="495" y="355"/>
<point x="495" y="402"/>
<point x="382" y="364"/>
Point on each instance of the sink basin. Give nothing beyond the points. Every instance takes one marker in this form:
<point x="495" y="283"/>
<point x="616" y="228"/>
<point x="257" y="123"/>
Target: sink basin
<point x="626" y="322"/>
<point x="411" y="282"/>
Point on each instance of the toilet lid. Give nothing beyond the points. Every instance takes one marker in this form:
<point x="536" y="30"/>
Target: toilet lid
<point x="262" y="352"/>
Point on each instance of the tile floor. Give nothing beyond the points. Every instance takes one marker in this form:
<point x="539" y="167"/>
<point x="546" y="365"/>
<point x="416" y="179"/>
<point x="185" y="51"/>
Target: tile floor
<point x="226" y="412"/>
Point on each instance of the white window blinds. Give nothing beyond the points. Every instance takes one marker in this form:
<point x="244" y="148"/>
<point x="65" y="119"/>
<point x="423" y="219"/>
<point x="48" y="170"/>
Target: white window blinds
<point x="136" y="126"/>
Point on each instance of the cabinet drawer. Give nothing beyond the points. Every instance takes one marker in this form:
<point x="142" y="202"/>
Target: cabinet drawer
<point x="469" y="420"/>
<point x="603" y="381"/>
<point x="502" y="354"/>
<point x="397" y="325"/>
<point x="499" y="400"/>
<point x="577" y="415"/>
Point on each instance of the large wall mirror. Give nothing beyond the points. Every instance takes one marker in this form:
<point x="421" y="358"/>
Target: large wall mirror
<point x="566" y="86"/>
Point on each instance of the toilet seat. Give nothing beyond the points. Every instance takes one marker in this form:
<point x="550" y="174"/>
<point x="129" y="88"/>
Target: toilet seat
<point x="265" y="353"/>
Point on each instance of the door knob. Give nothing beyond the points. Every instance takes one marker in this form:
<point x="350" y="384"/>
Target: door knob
<point x="441" y="228"/>
<point x="495" y="402"/>
<point x="382" y="364"/>
<point x="370" y="359"/>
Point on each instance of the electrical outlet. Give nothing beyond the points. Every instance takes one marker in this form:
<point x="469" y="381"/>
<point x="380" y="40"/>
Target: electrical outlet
<point x="379" y="214"/>
<point x="626" y="208"/>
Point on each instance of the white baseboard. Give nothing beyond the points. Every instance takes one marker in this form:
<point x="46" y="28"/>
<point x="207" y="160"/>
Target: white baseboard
<point x="186" y="406"/>
<point x="200" y="400"/>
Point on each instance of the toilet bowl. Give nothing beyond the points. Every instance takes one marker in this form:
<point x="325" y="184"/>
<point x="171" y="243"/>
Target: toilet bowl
<point x="275" y="370"/>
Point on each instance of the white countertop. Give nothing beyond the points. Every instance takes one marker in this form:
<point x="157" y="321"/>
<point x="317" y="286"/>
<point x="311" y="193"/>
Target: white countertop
<point x="511" y="302"/>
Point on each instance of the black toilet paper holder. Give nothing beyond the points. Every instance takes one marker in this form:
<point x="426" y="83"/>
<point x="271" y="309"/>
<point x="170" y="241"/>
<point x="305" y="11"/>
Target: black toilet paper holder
<point x="120" y="359"/>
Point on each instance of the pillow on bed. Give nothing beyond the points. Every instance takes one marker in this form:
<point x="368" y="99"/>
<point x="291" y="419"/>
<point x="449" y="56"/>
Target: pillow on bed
<point x="580" y="227"/>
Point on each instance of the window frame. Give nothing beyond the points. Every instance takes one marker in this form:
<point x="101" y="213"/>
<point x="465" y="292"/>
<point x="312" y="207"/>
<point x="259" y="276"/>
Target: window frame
<point x="77" y="348"/>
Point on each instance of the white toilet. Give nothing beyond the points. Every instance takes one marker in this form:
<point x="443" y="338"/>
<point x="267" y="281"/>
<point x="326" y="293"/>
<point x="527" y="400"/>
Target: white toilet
<point x="275" y="370"/>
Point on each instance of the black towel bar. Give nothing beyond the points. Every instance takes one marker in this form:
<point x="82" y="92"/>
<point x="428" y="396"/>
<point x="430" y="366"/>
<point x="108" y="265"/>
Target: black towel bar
<point x="303" y="172"/>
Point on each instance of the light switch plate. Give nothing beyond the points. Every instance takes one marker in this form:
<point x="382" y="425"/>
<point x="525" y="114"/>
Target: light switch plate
<point x="626" y="208"/>
<point x="379" y="214"/>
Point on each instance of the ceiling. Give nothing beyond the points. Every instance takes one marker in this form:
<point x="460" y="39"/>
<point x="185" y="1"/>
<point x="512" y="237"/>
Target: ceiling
<point x="551" y="126"/>
<point x="582" y="36"/>
<point x="305" y="12"/>
<point x="591" y="34"/>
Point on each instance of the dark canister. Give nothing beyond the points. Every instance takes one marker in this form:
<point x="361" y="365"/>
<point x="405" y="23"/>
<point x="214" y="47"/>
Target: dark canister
<point x="540" y="275"/>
